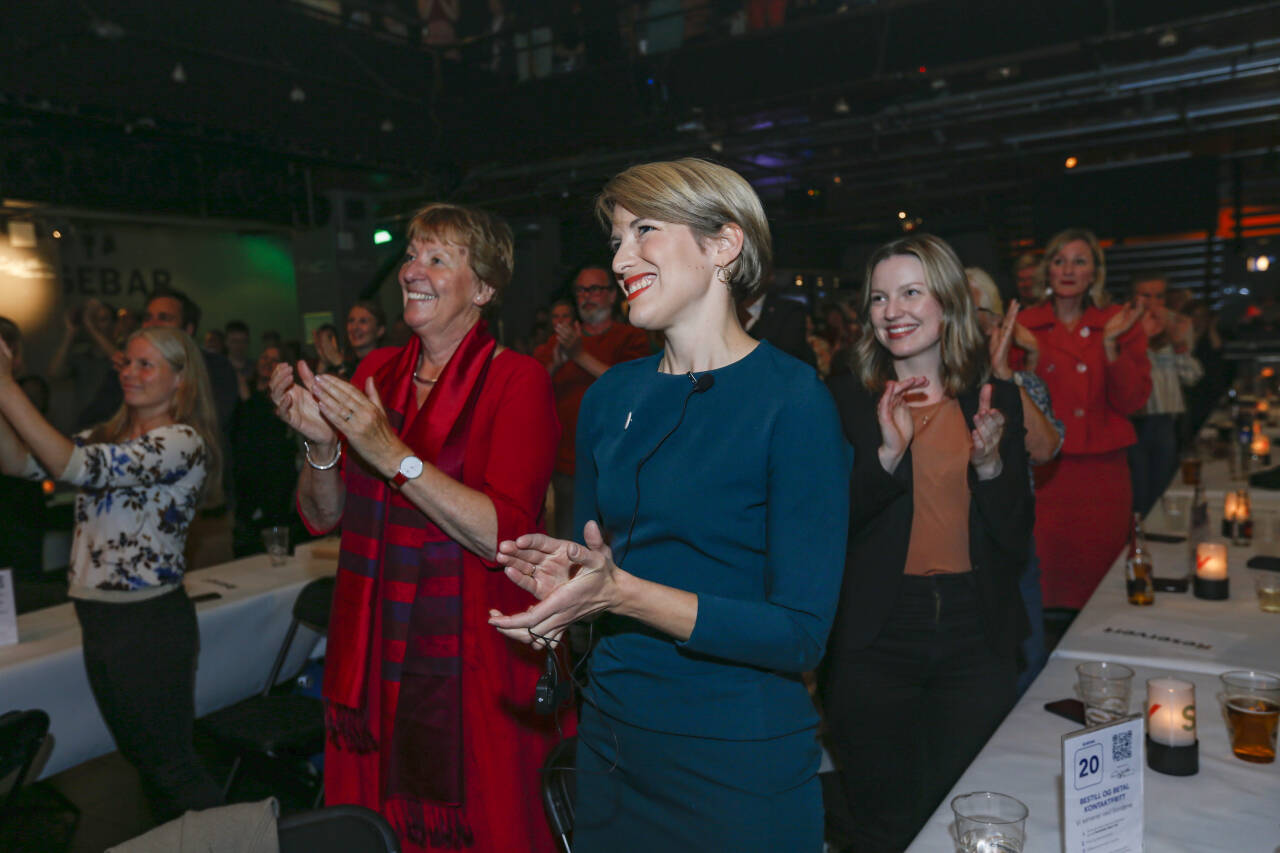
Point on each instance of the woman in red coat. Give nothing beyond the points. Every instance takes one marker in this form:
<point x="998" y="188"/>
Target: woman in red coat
<point x="1093" y="357"/>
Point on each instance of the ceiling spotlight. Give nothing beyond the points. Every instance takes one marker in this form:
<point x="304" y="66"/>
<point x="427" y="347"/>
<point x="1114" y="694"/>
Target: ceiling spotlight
<point x="387" y="125"/>
<point x="841" y="107"/>
<point x="57" y="235"/>
<point x="902" y="214"/>
<point x="296" y="94"/>
<point x="179" y="74"/>
<point x="1071" y="162"/>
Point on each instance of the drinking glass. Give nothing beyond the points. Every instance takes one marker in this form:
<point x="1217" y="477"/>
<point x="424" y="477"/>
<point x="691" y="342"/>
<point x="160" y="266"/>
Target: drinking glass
<point x="987" y="822"/>
<point x="276" y="541"/>
<point x="1267" y="585"/>
<point x="1251" y="706"/>
<point x="1104" y="689"/>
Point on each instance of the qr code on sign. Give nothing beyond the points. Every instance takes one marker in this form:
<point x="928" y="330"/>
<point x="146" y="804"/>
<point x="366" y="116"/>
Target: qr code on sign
<point x="1121" y="746"/>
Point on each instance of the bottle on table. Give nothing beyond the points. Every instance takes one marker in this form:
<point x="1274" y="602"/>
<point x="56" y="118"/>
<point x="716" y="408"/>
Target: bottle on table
<point x="1138" y="567"/>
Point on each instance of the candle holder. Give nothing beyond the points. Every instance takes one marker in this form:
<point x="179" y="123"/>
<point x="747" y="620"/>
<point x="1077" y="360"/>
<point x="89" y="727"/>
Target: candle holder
<point x="1173" y="760"/>
<point x="1211" y="581"/>
<point x="1211" y="590"/>
<point x="1172" y="745"/>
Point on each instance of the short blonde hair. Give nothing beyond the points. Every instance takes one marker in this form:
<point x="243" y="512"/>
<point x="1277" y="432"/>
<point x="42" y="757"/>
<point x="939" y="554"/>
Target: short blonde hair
<point x="704" y="196"/>
<point x="979" y="278"/>
<point x="965" y="360"/>
<point x="1098" y="290"/>
<point x="487" y="238"/>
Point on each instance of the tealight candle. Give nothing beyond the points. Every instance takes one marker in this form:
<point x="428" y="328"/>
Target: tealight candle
<point x="1211" y="561"/>
<point x="1231" y="507"/>
<point x="1260" y="446"/>
<point x="1171" y="711"/>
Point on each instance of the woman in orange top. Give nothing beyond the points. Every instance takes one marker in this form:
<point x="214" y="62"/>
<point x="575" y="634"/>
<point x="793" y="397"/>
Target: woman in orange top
<point x="1093" y="357"/>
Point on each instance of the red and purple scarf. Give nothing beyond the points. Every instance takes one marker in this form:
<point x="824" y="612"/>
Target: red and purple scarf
<point x="393" y="557"/>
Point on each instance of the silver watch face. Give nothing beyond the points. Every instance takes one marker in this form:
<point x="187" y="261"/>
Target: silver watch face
<point x="411" y="467"/>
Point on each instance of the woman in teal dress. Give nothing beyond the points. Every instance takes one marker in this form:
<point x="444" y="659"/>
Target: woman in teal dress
<point x="712" y="492"/>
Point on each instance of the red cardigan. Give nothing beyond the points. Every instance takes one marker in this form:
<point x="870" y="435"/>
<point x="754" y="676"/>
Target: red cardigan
<point x="1092" y="398"/>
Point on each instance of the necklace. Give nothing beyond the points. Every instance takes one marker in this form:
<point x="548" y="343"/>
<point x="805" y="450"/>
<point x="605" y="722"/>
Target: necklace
<point x="424" y="381"/>
<point x="933" y="408"/>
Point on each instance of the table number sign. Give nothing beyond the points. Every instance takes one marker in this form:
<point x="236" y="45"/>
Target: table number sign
<point x="1102" y="771"/>
<point x="8" y="610"/>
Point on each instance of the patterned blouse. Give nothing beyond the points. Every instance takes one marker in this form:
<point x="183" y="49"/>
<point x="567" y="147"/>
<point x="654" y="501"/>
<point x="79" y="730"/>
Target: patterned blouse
<point x="136" y="499"/>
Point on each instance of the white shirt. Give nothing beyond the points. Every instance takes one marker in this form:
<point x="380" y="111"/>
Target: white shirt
<point x="135" y="502"/>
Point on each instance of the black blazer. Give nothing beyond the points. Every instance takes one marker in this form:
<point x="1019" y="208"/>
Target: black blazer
<point x="782" y="324"/>
<point x="1001" y="517"/>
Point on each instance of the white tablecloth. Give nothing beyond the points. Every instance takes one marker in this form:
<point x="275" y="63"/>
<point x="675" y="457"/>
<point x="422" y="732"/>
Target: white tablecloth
<point x="1230" y="805"/>
<point x="240" y="634"/>
<point x="1178" y="630"/>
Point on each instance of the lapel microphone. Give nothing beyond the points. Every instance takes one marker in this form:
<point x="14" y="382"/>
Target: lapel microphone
<point x="701" y="383"/>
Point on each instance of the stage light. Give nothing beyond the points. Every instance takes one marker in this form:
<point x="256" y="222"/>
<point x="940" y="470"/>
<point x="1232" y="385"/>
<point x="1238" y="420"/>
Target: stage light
<point x="381" y="236"/>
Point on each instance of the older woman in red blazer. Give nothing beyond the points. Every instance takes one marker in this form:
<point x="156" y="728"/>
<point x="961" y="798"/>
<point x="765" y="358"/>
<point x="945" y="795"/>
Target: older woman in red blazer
<point x="1093" y="357"/>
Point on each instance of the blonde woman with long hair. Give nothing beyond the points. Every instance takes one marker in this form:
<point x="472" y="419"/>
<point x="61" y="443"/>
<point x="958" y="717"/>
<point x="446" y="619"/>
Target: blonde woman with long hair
<point x="142" y="474"/>
<point x="921" y="665"/>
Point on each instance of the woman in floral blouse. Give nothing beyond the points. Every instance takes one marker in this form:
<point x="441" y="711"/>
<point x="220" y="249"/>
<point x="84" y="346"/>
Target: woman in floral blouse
<point x="141" y="475"/>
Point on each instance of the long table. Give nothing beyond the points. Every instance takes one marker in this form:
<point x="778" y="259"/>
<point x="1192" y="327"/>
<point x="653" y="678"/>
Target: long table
<point x="240" y="633"/>
<point x="1230" y="804"/>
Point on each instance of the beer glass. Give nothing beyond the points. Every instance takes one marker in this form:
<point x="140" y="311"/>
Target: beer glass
<point x="1251" y="705"/>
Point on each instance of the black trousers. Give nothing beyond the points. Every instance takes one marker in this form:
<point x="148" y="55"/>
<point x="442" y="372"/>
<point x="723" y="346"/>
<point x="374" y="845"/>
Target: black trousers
<point x="141" y="661"/>
<point x="906" y="715"/>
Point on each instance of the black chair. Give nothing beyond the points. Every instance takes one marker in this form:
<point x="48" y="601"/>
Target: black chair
<point x="337" y="829"/>
<point x="279" y="725"/>
<point x="558" y="789"/>
<point x="22" y="734"/>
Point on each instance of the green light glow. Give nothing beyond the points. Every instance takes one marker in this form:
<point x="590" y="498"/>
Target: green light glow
<point x="381" y="236"/>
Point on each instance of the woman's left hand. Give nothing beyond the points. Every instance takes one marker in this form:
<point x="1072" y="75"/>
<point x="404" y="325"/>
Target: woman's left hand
<point x="363" y="420"/>
<point x="988" y="427"/>
<point x="572" y="581"/>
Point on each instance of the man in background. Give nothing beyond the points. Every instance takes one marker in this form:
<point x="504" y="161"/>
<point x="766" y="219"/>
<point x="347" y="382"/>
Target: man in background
<point x="1169" y="340"/>
<point x="578" y="351"/>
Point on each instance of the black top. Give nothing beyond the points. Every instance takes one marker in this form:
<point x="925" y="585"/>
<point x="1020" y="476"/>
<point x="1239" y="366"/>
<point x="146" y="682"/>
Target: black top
<point x="1001" y="517"/>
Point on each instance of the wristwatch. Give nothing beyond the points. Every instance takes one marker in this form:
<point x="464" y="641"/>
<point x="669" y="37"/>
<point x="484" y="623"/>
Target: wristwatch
<point x="410" y="469"/>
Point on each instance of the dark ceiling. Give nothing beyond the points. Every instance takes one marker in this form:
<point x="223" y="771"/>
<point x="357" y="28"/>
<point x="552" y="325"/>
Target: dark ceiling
<point x="954" y="111"/>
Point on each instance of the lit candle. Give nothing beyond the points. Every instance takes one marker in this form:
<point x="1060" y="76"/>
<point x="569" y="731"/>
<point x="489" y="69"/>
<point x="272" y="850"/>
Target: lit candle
<point x="1231" y="507"/>
<point x="1211" y="561"/>
<point x="1171" y="711"/>
<point x="1263" y="407"/>
<point x="1261" y="445"/>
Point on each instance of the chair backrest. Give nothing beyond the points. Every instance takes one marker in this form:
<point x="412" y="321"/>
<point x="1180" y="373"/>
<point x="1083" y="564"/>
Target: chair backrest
<point x="313" y="604"/>
<point x="337" y="829"/>
<point x="310" y="608"/>
<point x="21" y="734"/>
<point x="559" y="788"/>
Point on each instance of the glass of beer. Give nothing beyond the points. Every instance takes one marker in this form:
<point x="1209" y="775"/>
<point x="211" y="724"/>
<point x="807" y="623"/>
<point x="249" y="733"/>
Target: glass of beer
<point x="1191" y="469"/>
<point x="1251" y="704"/>
<point x="987" y="822"/>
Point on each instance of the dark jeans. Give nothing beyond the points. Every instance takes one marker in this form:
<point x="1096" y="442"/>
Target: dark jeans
<point x="141" y="660"/>
<point x="908" y="714"/>
<point x="1152" y="460"/>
